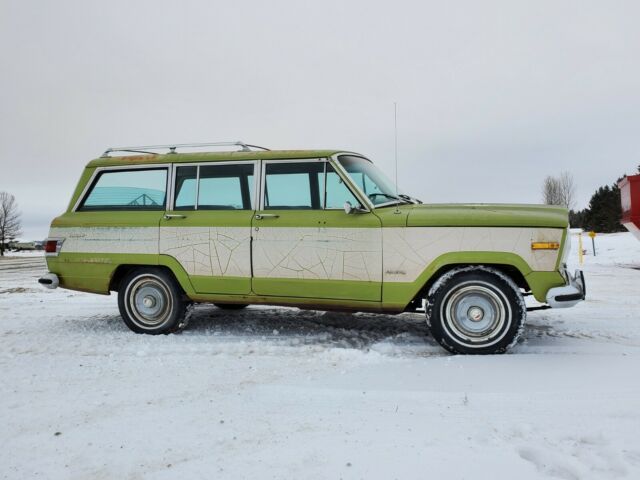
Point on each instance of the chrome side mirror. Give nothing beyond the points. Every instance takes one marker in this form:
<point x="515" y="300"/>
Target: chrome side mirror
<point x="348" y="208"/>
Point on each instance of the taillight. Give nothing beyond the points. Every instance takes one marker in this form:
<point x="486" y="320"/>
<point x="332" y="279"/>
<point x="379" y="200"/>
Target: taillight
<point x="52" y="247"/>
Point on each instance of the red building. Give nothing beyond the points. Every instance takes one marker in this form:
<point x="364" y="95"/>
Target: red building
<point x="630" y="200"/>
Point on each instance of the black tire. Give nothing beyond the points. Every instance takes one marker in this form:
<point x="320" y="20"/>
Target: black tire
<point x="231" y="306"/>
<point x="151" y="302"/>
<point x="475" y="310"/>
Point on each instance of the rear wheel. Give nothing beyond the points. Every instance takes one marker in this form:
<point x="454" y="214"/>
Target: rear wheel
<point x="151" y="301"/>
<point x="475" y="310"/>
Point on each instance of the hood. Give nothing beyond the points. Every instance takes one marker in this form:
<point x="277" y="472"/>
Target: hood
<point x="488" y="215"/>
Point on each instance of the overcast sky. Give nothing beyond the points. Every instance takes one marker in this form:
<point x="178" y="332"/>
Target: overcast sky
<point x="492" y="96"/>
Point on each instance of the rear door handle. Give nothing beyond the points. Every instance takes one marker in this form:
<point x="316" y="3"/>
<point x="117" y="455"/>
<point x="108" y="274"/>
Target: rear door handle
<point x="169" y="216"/>
<point x="260" y="216"/>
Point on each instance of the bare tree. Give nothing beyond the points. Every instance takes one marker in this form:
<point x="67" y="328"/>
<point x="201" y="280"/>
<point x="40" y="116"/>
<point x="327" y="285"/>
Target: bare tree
<point x="559" y="190"/>
<point x="567" y="190"/>
<point x="9" y="220"/>
<point x="551" y="191"/>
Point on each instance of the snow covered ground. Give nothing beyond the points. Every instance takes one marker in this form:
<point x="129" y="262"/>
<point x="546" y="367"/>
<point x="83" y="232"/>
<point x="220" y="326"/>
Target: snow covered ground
<point x="282" y="393"/>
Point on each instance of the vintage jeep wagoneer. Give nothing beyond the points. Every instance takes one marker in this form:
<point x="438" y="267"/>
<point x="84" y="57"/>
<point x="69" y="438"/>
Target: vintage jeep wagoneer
<point x="320" y="229"/>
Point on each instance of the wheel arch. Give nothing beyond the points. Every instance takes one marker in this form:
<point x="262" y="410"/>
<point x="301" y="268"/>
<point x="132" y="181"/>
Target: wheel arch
<point x="510" y="271"/>
<point x="176" y="272"/>
<point x="510" y="264"/>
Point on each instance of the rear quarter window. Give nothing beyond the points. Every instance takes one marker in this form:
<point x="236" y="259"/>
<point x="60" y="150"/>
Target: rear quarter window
<point x="139" y="189"/>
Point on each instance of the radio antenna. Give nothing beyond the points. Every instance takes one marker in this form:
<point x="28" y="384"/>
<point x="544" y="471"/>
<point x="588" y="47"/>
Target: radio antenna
<point x="395" y="149"/>
<point x="395" y="140"/>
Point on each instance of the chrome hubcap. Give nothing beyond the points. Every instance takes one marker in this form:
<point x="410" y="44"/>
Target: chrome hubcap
<point x="476" y="313"/>
<point x="149" y="301"/>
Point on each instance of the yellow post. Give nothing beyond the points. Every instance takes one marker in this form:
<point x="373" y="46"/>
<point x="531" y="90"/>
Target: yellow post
<point x="592" y="234"/>
<point x="580" y="254"/>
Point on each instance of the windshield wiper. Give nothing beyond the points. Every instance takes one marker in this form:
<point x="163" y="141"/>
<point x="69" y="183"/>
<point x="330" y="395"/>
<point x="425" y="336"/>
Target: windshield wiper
<point x="398" y="198"/>
<point x="410" y="199"/>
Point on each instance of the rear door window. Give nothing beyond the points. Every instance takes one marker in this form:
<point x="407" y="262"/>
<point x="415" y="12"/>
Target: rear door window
<point x="214" y="187"/>
<point x="225" y="187"/>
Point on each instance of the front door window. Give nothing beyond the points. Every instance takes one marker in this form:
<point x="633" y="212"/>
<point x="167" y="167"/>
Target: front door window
<point x="305" y="186"/>
<point x="293" y="186"/>
<point x="337" y="193"/>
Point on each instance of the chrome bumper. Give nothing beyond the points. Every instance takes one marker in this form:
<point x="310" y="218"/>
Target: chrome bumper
<point x="570" y="294"/>
<point x="50" y="280"/>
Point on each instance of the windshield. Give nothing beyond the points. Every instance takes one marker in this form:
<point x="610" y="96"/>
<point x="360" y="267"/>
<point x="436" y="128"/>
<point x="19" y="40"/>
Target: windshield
<point x="370" y="180"/>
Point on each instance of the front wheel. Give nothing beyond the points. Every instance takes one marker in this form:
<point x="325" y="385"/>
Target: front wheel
<point x="475" y="310"/>
<point x="151" y="302"/>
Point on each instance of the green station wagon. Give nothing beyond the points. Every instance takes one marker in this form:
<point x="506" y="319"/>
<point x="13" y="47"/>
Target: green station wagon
<point x="316" y="229"/>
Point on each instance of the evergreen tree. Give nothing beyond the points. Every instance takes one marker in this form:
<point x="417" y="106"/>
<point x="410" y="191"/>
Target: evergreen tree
<point x="604" y="211"/>
<point x="576" y="218"/>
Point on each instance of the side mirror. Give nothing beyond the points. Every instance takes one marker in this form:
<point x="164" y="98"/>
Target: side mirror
<point x="348" y="208"/>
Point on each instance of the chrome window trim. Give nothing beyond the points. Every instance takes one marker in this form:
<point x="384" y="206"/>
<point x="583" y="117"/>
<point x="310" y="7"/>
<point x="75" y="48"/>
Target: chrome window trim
<point x="196" y="202"/>
<point x="258" y="186"/>
<point x="389" y="204"/>
<point x="256" y="168"/>
<point x="99" y="170"/>
<point x="259" y="177"/>
<point x="173" y="178"/>
<point x="324" y="187"/>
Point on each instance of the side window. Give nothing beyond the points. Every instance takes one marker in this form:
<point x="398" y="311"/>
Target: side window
<point x="225" y="187"/>
<point x="214" y="187"/>
<point x="293" y="185"/>
<point x="337" y="193"/>
<point x="185" y="191"/>
<point x="140" y="189"/>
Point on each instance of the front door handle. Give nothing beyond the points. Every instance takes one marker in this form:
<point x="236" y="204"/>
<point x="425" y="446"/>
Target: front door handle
<point x="260" y="216"/>
<point x="169" y="216"/>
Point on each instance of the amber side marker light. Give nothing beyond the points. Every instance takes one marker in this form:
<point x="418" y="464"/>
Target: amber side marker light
<point x="545" y="245"/>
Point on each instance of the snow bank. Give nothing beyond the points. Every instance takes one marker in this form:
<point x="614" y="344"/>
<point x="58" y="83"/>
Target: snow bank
<point x="283" y="393"/>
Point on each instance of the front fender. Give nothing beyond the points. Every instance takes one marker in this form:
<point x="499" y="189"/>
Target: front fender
<point x="397" y="295"/>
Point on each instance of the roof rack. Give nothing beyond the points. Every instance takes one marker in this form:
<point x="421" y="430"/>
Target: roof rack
<point x="245" y="147"/>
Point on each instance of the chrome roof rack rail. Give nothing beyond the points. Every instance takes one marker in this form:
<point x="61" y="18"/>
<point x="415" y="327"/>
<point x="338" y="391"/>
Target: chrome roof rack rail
<point x="148" y="149"/>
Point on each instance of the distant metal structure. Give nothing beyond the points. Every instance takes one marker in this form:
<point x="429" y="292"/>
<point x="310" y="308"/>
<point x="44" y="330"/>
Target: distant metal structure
<point x="144" y="200"/>
<point x="149" y="149"/>
<point x="630" y="202"/>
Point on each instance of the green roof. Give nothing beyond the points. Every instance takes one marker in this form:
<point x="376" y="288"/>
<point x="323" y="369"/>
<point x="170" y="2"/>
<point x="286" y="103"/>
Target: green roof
<point x="209" y="157"/>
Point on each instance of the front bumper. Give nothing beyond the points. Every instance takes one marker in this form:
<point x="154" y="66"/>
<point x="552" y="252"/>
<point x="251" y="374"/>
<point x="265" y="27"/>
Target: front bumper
<point x="568" y="295"/>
